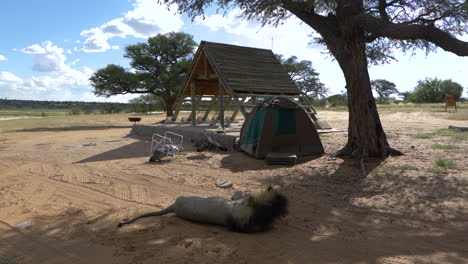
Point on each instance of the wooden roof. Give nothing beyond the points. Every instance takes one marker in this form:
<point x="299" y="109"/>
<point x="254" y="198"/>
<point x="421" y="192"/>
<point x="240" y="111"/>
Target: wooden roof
<point x="241" y="70"/>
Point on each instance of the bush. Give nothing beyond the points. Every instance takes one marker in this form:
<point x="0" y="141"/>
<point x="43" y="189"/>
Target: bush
<point x="75" y="111"/>
<point x="434" y="91"/>
<point x="337" y="100"/>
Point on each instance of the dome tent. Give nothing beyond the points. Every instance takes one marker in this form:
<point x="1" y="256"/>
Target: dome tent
<point x="278" y="125"/>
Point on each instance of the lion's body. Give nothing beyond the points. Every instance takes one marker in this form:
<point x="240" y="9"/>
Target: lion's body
<point x="251" y="212"/>
<point x="199" y="209"/>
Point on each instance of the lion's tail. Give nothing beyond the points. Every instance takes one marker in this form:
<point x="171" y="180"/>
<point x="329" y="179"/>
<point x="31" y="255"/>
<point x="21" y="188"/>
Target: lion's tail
<point x="167" y="210"/>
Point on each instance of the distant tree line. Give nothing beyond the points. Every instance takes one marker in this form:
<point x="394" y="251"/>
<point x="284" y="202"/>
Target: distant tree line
<point x="74" y="107"/>
<point x="429" y="90"/>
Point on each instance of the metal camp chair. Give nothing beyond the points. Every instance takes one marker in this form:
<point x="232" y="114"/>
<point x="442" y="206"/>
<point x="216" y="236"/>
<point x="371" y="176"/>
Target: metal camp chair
<point x="168" y="145"/>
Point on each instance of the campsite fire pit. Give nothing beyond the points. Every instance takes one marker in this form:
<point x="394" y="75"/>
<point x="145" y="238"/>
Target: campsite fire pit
<point x="134" y="119"/>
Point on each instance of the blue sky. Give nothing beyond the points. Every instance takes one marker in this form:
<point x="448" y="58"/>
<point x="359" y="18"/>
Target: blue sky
<point x="49" y="51"/>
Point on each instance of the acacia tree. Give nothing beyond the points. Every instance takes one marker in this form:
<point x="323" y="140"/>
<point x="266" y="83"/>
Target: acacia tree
<point x="433" y="90"/>
<point x="160" y="67"/>
<point x="357" y="32"/>
<point x="304" y="75"/>
<point x="383" y="88"/>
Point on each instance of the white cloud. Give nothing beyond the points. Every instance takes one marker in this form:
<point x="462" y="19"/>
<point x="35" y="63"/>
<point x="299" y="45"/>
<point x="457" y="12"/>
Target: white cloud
<point x="146" y="19"/>
<point x="59" y="80"/>
<point x="115" y="47"/>
<point x="35" y="48"/>
<point x="47" y="57"/>
<point x="69" y="85"/>
<point x="8" y="77"/>
<point x="3" y="58"/>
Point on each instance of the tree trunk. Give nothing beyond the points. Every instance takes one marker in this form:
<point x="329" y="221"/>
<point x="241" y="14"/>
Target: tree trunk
<point x="366" y="137"/>
<point x="169" y="105"/>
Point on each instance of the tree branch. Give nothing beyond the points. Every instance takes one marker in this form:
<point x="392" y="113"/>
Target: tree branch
<point x="430" y="33"/>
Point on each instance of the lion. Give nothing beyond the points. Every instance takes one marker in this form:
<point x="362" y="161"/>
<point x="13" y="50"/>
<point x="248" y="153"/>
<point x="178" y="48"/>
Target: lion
<point x="245" y="212"/>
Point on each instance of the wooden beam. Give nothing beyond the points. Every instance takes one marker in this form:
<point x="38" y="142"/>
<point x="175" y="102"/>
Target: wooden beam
<point x="224" y="83"/>
<point x="233" y="116"/>
<point x="213" y="102"/>
<point x="221" y="106"/>
<point x="178" y="105"/>
<point x="193" y="86"/>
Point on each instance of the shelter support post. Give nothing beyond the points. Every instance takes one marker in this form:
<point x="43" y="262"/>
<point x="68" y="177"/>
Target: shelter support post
<point x="194" y="103"/>
<point x="221" y="104"/>
<point x="178" y="105"/>
<point x="233" y="116"/>
<point x="212" y="104"/>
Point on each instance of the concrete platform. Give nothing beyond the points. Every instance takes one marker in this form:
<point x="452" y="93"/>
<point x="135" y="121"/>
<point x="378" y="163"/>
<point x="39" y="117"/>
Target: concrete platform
<point x="190" y="132"/>
<point x="195" y="132"/>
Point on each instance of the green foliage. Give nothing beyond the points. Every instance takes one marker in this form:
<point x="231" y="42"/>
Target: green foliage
<point x="437" y="170"/>
<point x="402" y="167"/>
<point x="113" y="80"/>
<point x="160" y="66"/>
<point x="49" y="108"/>
<point x="383" y="88"/>
<point x="146" y="103"/>
<point x="75" y="111"/>
<point x="321" y="15"/>
<point x="434" y="90"/>
<point x="110" y="109"/>
<point x="424" y="177"/>
<point x="338" y="100"/>
<point x="384" y="175"/>
<point x="440" y="146"/>
<point x="305" y="76"/>
<point x="456" y="134"/>
<point x="445" y="163"/>
<point x="423" y="136"/>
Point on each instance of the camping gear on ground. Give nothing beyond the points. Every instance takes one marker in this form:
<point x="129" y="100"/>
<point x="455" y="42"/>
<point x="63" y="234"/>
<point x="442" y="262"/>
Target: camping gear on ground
<point x="207" y="143"/>
<point x="273" y="158"/>
<point x="279" y="125"/>
<point x="167" y="145"/>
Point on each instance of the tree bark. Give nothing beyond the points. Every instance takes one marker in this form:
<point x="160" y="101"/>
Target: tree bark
<point x="366" y="137"/>
<point x="169" y="107"/>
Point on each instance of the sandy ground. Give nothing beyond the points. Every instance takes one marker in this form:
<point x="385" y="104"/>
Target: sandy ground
<point x="75" y="195"/>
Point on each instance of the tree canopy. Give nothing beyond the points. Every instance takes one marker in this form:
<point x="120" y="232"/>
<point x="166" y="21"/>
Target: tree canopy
<point x="356" y="33"/>
<point x="159" y="68"/>
<point x="305" y="76"/>
<point x="433" y="90"/>
<point x="383" y="88"/>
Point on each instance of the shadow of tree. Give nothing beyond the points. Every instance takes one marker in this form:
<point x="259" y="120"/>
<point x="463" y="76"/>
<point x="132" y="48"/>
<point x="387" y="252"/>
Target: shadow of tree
<point x="71" y="128"/>
<point x="136" y="149"/>
<point x="336" y="216"/>
<point x="240" y="161"/>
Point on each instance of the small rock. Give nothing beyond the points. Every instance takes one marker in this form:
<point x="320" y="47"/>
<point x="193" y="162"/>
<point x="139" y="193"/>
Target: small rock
<point x="223" y="184"/>
<point x="24" y="224"/>
<point x="413" y="147"/>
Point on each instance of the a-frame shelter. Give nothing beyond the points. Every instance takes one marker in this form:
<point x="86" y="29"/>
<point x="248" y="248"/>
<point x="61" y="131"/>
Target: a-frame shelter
<point x="226" y="75"/>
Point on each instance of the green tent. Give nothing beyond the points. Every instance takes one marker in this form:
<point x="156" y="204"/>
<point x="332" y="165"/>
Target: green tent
<point x="279" y="125"/>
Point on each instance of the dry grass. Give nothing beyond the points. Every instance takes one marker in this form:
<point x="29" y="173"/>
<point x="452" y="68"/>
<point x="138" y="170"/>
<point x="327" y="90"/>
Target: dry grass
<point x="461" y="114"/>
<point x="65" y="122"/>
